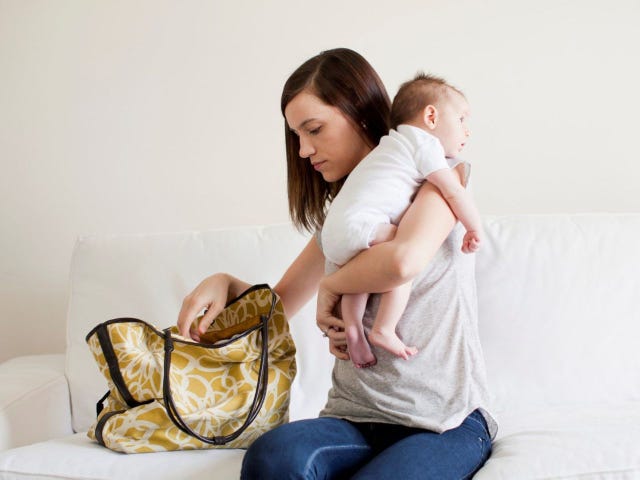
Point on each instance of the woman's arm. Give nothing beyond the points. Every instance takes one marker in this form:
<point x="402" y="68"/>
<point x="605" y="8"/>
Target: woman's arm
<point x="296" y="287"/>
<point x="301" y="280"/>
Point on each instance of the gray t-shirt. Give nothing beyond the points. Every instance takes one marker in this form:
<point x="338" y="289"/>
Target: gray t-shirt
<point x="437" y="388"/>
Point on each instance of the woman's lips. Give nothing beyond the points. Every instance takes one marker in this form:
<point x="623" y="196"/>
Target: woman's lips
<point x="318" y="165"/>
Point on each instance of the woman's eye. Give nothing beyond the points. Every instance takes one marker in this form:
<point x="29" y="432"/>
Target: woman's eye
<point x="315" y="131"/>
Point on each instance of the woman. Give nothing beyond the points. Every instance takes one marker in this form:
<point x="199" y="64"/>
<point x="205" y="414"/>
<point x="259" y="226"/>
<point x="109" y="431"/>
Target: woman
<point x="422" y="418"/>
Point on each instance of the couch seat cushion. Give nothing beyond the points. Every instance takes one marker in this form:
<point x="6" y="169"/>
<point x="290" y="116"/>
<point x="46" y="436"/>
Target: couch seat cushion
<point x="584" y="443"/>
<point x="77" y="457"/>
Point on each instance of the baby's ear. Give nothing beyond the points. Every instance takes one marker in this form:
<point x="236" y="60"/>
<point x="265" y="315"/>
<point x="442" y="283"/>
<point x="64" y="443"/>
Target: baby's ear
<point x="430" y="116"/>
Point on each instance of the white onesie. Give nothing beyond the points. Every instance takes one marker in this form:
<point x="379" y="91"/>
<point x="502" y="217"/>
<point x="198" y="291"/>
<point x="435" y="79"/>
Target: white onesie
<point x="380" y="189"/>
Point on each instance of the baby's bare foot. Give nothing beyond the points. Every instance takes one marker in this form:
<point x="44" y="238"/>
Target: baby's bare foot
<point x="359" y="349"/>
<point x="391" y="343"/>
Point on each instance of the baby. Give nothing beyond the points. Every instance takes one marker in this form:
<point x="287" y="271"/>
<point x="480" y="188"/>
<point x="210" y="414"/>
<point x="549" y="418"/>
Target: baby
<point x="428" y="131"/>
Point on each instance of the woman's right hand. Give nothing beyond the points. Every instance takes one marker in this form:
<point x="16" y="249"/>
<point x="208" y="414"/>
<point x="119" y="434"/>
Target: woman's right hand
<point x="212" y="294"/>
<point x="331" y="326"/>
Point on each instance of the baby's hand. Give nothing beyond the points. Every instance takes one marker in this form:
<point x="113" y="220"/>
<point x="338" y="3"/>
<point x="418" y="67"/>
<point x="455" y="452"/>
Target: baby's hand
<point x="471" y="242"/>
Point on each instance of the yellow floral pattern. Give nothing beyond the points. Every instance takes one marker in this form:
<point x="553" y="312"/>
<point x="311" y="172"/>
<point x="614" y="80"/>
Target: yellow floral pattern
<point x="212" y="386"/>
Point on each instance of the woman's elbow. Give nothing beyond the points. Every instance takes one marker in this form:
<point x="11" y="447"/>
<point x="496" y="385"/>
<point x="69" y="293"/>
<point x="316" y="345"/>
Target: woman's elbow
<point x="403" y="265"/>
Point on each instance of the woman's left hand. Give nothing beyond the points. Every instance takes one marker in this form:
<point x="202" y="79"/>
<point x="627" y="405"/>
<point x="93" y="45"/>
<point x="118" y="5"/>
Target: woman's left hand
<point x="329" y="324"/>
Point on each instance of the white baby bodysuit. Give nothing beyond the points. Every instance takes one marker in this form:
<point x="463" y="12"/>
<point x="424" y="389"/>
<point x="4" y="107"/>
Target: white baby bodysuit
<point x="380" y="189"/>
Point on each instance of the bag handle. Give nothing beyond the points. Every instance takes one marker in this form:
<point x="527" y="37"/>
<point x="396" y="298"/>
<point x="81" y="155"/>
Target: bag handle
<point x="102" y="331"/>
<point x="258" y="398"/>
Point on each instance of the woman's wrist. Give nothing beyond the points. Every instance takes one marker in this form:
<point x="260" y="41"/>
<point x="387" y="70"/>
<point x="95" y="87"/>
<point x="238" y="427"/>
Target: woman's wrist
<point x="325" y="284"/>
<point x="235" y="286"/>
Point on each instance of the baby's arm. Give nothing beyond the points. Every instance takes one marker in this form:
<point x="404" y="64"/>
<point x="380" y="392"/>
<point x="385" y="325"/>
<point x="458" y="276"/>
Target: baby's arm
<point x="462" y="205"/>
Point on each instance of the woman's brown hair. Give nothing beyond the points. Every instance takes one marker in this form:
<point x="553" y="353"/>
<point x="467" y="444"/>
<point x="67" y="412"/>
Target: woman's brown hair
<point x="344" y="79"/>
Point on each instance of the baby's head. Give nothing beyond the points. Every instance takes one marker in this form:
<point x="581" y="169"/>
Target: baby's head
<point x="430" y="103"/>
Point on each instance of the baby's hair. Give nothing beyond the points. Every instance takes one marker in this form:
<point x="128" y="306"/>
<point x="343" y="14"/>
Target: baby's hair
<point x="414" y="95"/>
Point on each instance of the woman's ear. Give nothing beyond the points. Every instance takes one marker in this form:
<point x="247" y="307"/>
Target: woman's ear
<point x="430" y="116"/>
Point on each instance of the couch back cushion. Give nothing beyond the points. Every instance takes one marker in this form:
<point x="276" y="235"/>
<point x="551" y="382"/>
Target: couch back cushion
<point x="558" y="304"/>
<point x="147" y="277"/>
<point x="559" y="300"/>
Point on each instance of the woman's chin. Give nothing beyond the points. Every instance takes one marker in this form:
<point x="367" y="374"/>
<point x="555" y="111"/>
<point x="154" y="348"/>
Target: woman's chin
<point x="328" y="177"/>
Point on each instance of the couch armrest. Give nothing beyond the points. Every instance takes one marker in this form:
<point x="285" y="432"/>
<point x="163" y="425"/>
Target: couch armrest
<point x="34" y="400"/>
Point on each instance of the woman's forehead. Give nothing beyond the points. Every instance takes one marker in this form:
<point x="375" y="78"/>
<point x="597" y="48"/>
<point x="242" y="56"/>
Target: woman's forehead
<point x="305" y="108"/>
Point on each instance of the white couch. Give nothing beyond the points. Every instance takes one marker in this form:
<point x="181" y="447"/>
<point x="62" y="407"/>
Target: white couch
<point x="559" y="321"/>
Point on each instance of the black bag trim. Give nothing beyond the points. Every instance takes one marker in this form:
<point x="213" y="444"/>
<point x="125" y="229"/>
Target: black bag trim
<point x="261" y="384"/>
<point x="253" y="288"/>
<point x="95" y="329"/>
<point x="102" y="422"/>
<point x="100" y="404"/>
<point x="114" y="368"/>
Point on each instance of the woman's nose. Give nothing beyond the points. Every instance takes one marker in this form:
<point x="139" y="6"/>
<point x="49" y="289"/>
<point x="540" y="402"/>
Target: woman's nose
<point x="306" y="148"/>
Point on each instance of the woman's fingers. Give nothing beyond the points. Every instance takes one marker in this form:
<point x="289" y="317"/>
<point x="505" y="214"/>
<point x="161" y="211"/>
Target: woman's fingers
<point x="325" y="318"/>
<point x="209" y="316"/>
<point x="339" y="351"/>
<point x="188" y="314"/>
<point x="211" y="295"/>
<point x="329" y="324"/>
<point x="337" y="336"/>
<point x="338" y="343"/>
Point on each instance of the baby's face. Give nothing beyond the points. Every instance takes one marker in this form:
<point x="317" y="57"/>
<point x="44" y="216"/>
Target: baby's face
<point x="451" y="127"/>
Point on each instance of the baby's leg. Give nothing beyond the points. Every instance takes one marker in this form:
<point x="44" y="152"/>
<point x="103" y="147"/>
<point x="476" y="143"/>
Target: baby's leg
<point x="383" y="333"/>
<point x="353" y="307"/>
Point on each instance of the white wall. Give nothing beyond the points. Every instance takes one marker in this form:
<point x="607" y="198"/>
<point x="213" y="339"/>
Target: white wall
<point x="138" y="116"/>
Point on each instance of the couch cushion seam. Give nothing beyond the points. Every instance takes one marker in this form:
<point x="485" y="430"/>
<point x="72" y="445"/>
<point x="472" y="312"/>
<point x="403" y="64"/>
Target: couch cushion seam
<point x="24" y="395"/>
<point x="578" y="475"/>
<point x="48" y="475"/>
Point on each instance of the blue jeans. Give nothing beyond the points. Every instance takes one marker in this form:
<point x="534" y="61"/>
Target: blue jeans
<point x="330" y="448"/>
